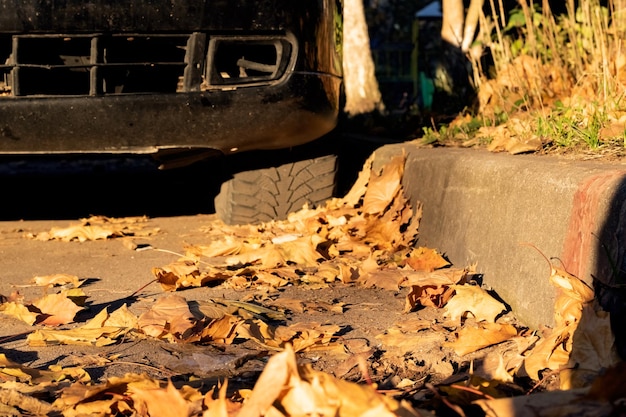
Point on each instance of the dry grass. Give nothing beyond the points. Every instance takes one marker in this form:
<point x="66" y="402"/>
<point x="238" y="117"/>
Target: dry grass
<point x="566" y="73"/>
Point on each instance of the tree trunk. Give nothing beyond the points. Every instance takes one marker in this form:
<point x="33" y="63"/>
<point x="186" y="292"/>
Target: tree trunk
<point x="452" y="22"/>
<point x="361" y="86"/>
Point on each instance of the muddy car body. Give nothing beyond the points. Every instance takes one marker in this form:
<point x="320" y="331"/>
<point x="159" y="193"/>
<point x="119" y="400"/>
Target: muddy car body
<point x="167" y="77"/>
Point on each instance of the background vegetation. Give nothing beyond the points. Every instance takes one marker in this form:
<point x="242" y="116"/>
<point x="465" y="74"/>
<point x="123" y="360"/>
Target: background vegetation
<point x="552" y="75"/>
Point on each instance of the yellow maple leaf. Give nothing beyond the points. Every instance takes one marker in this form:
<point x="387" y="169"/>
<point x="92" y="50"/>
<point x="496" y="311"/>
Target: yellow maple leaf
<point x="56" y="279"/>
<point x="169" y="317"/>
<point x="475" y="300"/>
<point x="425" y="259"/>
<point x="101" y="330"/>
<point x="471" y="339"/>
<point x="159" y="402"/>
<point x="20" y="312"/>
<point x="299" y="390"/>
<point x="383" y="188"/>
<point x="57" y="308"/>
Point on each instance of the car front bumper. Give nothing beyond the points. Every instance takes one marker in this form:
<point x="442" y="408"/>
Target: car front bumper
<point x="302" y="108"/>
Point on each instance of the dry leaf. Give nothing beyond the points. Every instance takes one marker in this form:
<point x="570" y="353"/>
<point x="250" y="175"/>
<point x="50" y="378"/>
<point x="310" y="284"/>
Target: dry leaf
<point x="219" y="407"/>
<point x="16" y="372"/>
<point x="546" y="404"/>
<point x="56" y="279"/>
<point x="20" y="312"/>
<point x="169" y="317"/>
<point x="300" y="391"/>
<point x="57" y="308"/>
<point x="97" y="332"/>
<point x="98" y="228"/>
<point x="471" y="339"/>
<point x="432" y="289"/>
<point x="382" y="189"/>
<point x="301" y="251"/>
<point x="388" y="279"/>
<point x="593" y="349"/>
<point x="475" y="300"/>
<point x="21" y="403"/>
<point x="159" y="402"/>
<point x="222" y="330"/>
<point x="572" y="306"/>
<point x="425" y="259"/>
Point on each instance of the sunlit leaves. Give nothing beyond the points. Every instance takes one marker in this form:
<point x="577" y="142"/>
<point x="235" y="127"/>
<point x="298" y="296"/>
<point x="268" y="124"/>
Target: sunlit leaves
<point x="57" y="280"/>
<point x="325" y="245"/>
<point x="99" y="228"/>
<point x="368" y="241"/>
<point x="470" y="339"/>
<point x="581" y="338"/>
<point x="287" y="389"/>
<point x="49" y="310"/>
<point x="17" y="372"/>
<point x="382" y="190"/>
<point x="96" y="332"/>
<point x="57" y="308"/>
<point x="169" y="316"/>
<point x="475" y="301"/>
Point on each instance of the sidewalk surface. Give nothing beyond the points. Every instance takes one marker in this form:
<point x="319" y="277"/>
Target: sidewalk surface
<point x="482" y="207"/>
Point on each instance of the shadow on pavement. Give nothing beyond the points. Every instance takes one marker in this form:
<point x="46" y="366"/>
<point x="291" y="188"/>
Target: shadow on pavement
<point x="75" y="187"/>
<point x="72" y="187"/>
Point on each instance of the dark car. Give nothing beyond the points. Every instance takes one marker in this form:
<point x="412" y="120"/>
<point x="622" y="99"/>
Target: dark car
<point x="178" y="79"/>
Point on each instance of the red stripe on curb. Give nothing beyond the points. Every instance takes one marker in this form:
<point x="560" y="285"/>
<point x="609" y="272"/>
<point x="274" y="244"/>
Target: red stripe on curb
<point x="582" y="233"/>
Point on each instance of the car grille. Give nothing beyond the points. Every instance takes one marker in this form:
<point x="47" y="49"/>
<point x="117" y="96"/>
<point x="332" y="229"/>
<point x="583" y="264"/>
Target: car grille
<point x="99" y="64"/>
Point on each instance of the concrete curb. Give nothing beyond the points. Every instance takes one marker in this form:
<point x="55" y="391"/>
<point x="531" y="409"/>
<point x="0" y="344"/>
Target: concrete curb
<point x="479" y="207"/>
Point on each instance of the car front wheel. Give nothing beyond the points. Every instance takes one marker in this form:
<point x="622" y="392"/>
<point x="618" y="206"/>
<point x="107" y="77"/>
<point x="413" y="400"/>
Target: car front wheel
<point x="262" y="195"/>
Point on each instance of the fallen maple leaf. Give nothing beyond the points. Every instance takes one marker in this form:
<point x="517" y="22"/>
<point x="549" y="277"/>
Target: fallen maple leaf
<point x="471" y="339"/>
<point x="432" y="289"/>
<point x="222" y="330"/>
<point x="99" y="400"/>
<point x="475" y="300"/>
<point x="17" y="372"/>
<point x="301" y="251"/>
<point x="301" y="391"/>
<point x="186" y="273"/>
<point x="97" y="332"/>
<point x="169" y="318"/>
<point x="383" y="188"/>
<point x="57" y="279"/>
<point x="425" y="259"/>
<point x="566" y="347"/>
<point x="57" y="309"/>
<point x="158" y="402"/>
<point x="20" y="312"/>
<point x="14" y="402"/>
<point x="98" y="228"/>
<point x="221" y="406"/>
<point x="593" y="350"/>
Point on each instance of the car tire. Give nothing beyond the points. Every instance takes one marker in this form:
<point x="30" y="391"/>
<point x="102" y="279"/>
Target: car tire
<point x="262" y="195"/>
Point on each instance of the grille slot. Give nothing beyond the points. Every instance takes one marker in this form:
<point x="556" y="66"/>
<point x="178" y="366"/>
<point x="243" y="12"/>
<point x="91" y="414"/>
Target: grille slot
<point x="249" y="61"/>
<point x="97" y="64"/>
<point x="109" y="64"/>
<point x="5" y="67"/>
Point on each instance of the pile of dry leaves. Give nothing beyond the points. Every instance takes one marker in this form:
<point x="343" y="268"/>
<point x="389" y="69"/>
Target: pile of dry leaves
<point x="486" y="362"/>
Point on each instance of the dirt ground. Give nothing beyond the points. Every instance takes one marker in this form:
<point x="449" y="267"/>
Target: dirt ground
<point x="345" y="286"/>
<point x="115" y="270"/>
